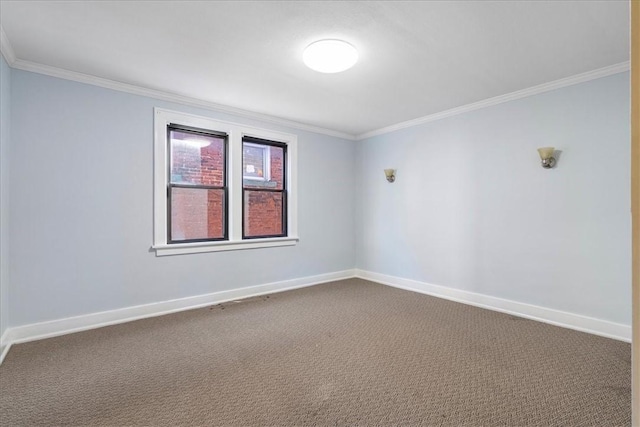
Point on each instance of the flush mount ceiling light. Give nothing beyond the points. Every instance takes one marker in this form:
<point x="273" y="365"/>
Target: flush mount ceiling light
<point x="330" y="56"/>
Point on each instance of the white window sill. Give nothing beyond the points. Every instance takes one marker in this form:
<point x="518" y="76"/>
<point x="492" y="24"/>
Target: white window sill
<point x="199" y="247"/>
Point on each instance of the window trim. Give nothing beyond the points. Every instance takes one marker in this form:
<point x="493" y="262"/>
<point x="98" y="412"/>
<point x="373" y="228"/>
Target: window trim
<point x="235" y="133"/>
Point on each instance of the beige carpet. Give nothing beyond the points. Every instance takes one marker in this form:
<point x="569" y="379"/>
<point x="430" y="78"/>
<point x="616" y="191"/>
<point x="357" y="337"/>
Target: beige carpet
<point x="344" y="353"/>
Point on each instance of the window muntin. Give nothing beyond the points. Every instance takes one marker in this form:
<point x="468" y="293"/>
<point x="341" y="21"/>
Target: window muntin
<point x="197" y="189"/>
<point x="264" y="202"/>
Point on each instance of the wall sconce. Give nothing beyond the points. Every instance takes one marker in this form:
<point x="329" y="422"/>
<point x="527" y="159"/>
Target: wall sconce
<point x="546" y="155"/>
<point x="390" y="174"/>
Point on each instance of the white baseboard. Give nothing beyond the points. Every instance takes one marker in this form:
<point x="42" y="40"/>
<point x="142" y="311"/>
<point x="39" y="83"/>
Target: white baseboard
<point x="555" y="317"/>
<point x="4" y="346"/>
<point x="36" y="331"/>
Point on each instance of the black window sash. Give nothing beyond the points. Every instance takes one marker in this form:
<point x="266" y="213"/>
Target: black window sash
<point x="283" y="191"/>
<point x="171" y="186"/>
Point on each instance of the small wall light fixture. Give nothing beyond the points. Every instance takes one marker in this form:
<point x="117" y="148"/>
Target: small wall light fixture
<point x="546" y="155"/>
<point x="390" y="174"/>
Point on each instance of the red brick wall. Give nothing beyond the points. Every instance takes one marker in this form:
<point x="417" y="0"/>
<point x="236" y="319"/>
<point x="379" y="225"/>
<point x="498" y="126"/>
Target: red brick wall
<point x="196" y="214"/>
<point x="194" y="165"/>
<point x="263" y="213"/>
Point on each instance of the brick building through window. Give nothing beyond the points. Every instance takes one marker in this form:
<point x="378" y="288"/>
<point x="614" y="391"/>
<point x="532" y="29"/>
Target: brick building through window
<point x="197" y="187"/>
<point x="221" y="186"/>
<point x="197" y="190"/>
<point x="263" y="188"/>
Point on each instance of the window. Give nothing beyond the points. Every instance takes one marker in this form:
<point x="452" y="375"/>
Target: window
<point x="221" y="186"/>
<point x="264" y="199"/>
<point x="197" y="189"/>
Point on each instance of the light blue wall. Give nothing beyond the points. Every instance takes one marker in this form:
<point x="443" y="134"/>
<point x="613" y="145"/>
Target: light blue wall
<point x="81" y="206"/>
<point x="473" y="209"/>
<point x="5" y="132"/>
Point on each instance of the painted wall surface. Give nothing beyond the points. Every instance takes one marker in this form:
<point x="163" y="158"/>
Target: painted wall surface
<point x="5" y="120"/>
<point x="81" y="206"/>
<point x="473" y="209"/>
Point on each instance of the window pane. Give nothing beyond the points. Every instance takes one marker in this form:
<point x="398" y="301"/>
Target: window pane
<point x="263" y="213"/>
<point x="255" y="162"/>
<point x="196" y="158"/>
<point x="262" y="166"/>
<point x="197" y="213"/>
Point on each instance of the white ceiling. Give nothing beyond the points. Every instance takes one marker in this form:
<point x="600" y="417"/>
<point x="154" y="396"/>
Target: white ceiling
<point x="416" y="58"/>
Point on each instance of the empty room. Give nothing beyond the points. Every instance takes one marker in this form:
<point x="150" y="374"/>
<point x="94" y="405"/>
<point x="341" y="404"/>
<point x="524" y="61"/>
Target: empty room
<point x="333" y="213"/>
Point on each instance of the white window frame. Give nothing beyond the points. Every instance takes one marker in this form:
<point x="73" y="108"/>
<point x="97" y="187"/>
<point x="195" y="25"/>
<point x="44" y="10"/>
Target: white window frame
<point x="266" y="163"/>
<point x="235" y="132"/>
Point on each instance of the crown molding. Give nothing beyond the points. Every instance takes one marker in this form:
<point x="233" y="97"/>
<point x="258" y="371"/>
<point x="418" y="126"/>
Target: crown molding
<point x="170" y="97"/>
<point x="6" y="49"/>
<point x="545" y="87"/>
<point x="8" y="53"/>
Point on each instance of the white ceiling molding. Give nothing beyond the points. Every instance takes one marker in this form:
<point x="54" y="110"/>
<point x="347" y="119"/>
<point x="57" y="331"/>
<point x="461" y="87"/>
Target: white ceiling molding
<point x="165" y="96"/>
<point x="170" y="97"/>
<point x="429" y="56"/>
<point x="545" y="87"/>
<point x="6" y="49"/>
<point x="8" y="53"/>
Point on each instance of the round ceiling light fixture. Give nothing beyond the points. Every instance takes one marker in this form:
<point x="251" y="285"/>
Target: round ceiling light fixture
<point x="330" y="56"/>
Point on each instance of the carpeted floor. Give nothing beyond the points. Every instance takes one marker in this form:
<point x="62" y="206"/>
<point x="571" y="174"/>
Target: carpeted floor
<point x="343" y="353"/>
